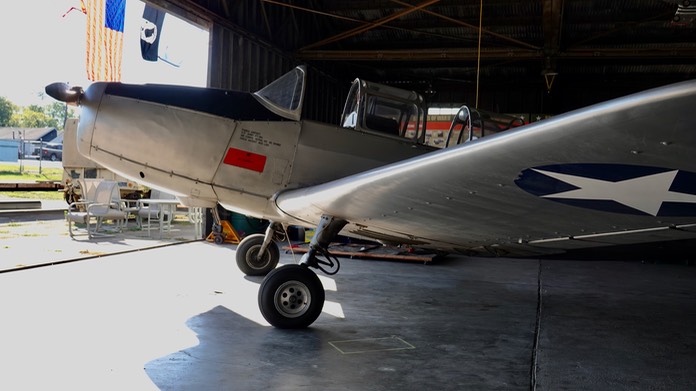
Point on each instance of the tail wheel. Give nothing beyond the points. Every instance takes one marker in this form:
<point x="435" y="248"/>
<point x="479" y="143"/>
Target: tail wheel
<point x="291" y="297"/>
<point x="250" y="262"/>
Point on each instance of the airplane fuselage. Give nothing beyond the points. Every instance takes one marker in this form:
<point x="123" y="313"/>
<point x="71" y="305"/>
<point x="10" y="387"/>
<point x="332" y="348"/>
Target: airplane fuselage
<point x="619" y="172"/>
<point x="208" y="146"/>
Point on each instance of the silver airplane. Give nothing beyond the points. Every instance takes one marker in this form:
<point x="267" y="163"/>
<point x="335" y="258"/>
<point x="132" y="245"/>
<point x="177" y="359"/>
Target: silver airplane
<point x="617" y="173"/>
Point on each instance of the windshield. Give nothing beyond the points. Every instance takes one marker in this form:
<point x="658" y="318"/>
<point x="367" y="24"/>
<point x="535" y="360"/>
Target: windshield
<point x="384" y="109"/>
<point x="284" y="96"/>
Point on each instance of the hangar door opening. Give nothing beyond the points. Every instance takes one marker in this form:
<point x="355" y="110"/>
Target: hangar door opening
<point x="182" y="53"/>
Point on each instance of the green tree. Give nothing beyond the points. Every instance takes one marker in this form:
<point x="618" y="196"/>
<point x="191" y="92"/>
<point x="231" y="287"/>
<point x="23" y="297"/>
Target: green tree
<point x="36" y="108"/>
<point x="7" y="108"/>
<point x="33" y="117"/>
<point x="60" y="112"/>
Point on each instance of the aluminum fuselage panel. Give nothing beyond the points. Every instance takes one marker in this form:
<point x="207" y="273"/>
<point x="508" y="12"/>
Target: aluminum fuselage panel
<point x="205" y="158"/>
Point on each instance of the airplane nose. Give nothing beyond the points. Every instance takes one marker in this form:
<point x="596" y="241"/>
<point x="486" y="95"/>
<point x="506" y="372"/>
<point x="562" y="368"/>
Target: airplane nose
<point x="89" y="101"/>
<point x="64" y="93"/>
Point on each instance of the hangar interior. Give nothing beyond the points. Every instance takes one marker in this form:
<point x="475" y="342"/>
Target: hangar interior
<point x="543" y="56"/>
<point x="184" y="317"/>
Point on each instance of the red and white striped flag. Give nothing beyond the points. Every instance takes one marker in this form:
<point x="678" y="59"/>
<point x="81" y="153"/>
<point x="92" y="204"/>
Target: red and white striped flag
<point x="105" y="39"/>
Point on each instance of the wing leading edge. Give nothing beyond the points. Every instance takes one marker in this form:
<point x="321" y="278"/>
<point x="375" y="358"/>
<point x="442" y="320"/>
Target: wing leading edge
<point x="618" y="172"/>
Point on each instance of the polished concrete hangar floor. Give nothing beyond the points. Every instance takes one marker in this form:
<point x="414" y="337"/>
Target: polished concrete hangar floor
<point x="183" y="317"/>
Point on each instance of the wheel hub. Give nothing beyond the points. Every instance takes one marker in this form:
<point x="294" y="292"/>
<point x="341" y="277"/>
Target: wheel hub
<point x="256" y="260"/>
<point x="292" y="299"/>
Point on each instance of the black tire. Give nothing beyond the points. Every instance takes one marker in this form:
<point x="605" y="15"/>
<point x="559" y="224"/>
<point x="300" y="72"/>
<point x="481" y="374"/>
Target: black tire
<point x="291" y="297"/>
<point x="246" y="256"/>
<point x="218" y="239"/>
<point x="54" y="157"/>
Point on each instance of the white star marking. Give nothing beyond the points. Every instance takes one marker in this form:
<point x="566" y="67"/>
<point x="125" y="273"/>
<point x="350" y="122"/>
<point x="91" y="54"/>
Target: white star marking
<point x="646" y="193"/>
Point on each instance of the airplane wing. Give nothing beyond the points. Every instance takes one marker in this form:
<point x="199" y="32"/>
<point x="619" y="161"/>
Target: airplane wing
<point x="619" y="172"/>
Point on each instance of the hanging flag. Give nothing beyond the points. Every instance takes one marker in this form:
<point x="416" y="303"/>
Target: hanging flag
<point x="105" y="39"/>
<point x="150" y="31"/>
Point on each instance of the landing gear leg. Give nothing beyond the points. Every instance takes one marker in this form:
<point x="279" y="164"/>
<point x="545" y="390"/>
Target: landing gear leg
<point x="292" y="296"/>
<point x="257" y="254"/>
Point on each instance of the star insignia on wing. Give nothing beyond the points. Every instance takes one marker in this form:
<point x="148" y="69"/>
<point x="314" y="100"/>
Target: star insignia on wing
<point x="646" y="193"/>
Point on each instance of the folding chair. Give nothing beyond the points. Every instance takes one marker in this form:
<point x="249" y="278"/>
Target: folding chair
<point x="106" y="205"/>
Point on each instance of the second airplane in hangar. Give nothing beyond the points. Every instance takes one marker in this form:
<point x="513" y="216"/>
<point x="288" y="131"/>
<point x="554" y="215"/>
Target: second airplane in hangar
<point x="616" y="173"/>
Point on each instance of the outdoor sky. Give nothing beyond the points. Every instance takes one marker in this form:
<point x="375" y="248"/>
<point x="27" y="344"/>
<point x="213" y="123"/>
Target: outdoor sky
<point x="40" y="47"/>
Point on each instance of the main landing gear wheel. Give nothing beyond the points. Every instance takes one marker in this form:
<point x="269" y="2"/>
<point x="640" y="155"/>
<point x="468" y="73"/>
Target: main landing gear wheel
<point x="250" y="262"/>
<point x="291" y="297"/>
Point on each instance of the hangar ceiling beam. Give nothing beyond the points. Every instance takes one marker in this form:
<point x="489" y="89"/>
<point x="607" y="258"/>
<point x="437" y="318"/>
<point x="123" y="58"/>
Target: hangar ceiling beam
<point x="471" y="26"/>
<point x="363" y="22"/>
<point x="622" y="27"/>
<point x="313" y="11"/>
<point x="362" y="29"/>
<point x="509" y="54"/>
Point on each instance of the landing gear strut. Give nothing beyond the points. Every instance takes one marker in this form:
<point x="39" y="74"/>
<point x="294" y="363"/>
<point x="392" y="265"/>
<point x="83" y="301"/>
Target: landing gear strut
<point x="292" y="296"/>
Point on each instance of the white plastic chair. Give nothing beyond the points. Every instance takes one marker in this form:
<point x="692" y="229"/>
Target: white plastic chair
<point x="151" y="211"/>
<point x="88" y="187"/>
<point x="106" y="205"/>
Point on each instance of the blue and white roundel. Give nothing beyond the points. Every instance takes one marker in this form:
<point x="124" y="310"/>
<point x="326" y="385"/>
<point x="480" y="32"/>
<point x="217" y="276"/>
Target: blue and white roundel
<point x="618" y="188"/>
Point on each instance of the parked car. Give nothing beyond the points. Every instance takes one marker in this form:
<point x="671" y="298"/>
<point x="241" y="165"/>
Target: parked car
<point x="28" y="150"/>
<point x="52" y="152"/>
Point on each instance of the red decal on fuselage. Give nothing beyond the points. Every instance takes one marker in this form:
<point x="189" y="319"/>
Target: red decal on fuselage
<point x="244" y="159"/>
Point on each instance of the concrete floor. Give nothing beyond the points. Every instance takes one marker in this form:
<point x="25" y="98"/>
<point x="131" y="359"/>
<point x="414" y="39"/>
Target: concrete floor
<point x="183" y="317"/>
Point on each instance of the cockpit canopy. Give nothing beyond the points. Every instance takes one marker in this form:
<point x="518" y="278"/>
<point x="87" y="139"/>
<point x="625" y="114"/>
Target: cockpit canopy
<point x="285" y="95"/>
<point x="378" y="108"/>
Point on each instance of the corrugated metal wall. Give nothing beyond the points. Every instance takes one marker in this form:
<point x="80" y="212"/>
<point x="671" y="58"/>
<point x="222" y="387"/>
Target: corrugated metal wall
<point x="325" y="97"/>
<point x="239" y="63"/>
